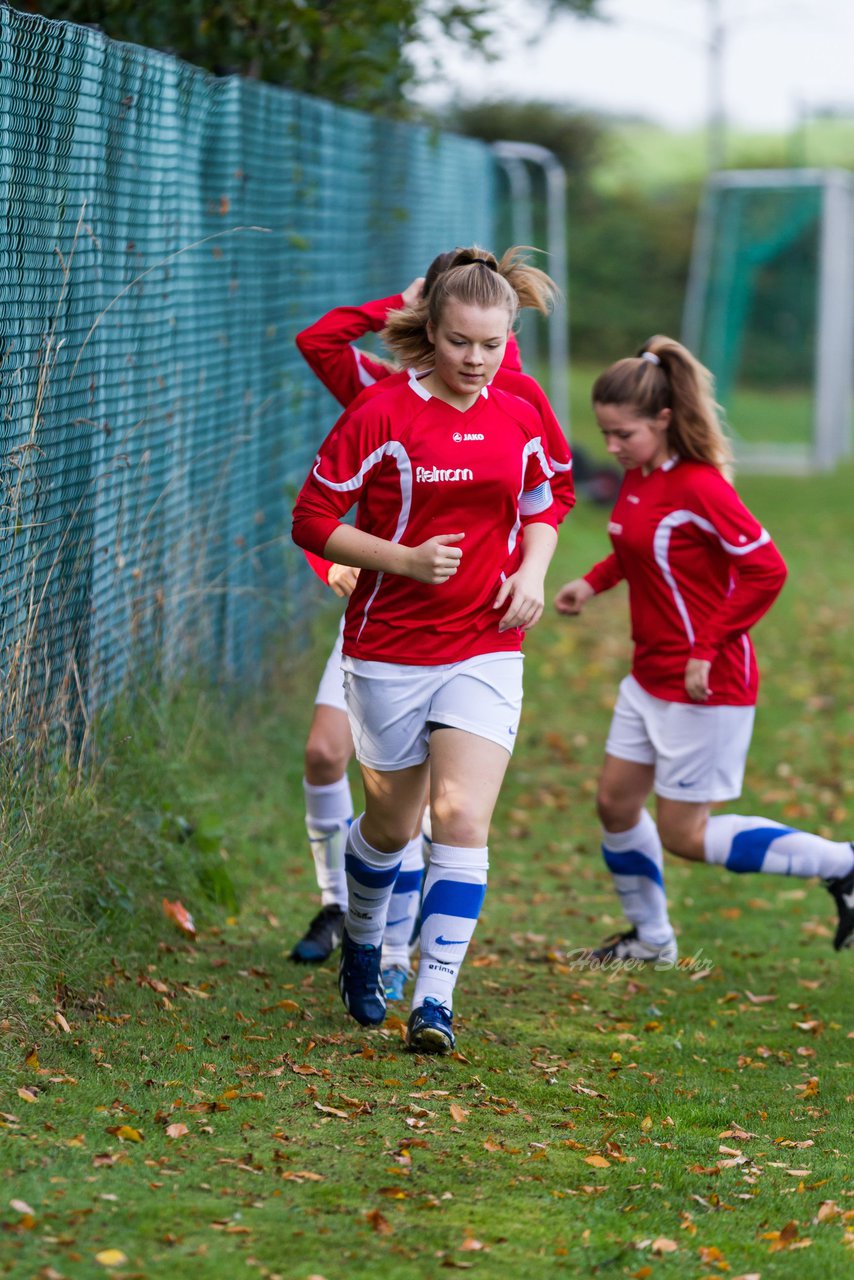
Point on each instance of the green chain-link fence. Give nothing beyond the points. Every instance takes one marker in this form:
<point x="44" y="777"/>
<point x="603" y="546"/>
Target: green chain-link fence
<point x="166" y="234"/>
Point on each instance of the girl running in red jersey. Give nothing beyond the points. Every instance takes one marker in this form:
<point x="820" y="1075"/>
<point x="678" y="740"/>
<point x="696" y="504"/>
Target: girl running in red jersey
<point x="446" y="471"/>
<point x="346" y="371"/>
<point x="701" y="571"/>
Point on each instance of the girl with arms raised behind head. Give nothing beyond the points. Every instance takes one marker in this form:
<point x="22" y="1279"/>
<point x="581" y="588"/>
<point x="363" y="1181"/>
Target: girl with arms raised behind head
<point x="348" y="372"/>
<point x="446" y="470"/>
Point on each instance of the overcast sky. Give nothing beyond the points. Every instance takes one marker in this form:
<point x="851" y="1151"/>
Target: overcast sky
<point x="652" y="58"/>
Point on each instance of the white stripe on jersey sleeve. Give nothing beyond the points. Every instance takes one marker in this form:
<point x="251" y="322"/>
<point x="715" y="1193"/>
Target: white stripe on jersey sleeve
<point x="535" y="446"/>
<point x="391" y="449"/>
<point x="661" y="550"/>
<point x="366" y="378"/>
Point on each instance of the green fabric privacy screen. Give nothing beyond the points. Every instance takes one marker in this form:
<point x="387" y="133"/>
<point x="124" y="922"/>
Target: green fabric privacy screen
<point x="166" y="234"/>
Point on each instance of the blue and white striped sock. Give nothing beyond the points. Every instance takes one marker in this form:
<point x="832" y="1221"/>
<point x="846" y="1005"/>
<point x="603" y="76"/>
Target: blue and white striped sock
<point x="370" y="879"/>
<point x="403" y="907"/>
<point x="758" y="844"/>
<point x="454" y="889"/>
<point x="636" y="862"/>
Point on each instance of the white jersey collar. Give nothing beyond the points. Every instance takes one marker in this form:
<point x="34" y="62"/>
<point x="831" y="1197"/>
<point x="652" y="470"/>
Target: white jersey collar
<point x="414" y="381"/>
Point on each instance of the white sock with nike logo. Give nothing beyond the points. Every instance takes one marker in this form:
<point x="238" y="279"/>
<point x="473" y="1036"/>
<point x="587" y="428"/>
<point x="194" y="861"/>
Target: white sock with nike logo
<point x="454" y="889"/>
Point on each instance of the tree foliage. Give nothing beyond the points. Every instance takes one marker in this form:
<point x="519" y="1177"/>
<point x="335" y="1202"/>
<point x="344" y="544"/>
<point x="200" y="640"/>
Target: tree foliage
<point x="629" y="255"/>
<point x="579" y="139"/>
<point x="350" y="51"/>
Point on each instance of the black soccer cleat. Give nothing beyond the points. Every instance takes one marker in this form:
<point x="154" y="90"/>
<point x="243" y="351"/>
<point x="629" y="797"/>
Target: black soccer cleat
<point x="628" y="946"/>
<point x="842" y="891"/>
<point x="321" y="937"/>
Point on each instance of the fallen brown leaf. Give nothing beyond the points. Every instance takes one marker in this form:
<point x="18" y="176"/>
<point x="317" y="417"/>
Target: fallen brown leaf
<point x="380" y="1224"/>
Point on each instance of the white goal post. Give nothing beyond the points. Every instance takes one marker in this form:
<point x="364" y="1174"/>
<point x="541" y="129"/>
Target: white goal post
<point x="770" y="309"/>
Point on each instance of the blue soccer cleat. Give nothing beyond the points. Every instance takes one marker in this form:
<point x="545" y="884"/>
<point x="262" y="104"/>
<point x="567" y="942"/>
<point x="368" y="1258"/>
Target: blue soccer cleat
<point x="429" y="1029"/>
<point x="394" y="981"/>
<point x="360" y="982"/>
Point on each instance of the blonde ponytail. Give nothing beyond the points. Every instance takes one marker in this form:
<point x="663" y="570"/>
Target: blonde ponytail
<point x="475" y="277"/>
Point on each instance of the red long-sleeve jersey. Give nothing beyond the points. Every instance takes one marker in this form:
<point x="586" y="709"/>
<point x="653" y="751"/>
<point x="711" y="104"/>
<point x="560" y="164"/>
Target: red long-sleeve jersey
<point x="418" y="467"/>
<point x="701" y="571"/>
<point x="328" y="350"/>
<point x="528" y="389"/>
<point x="327" y="346"/>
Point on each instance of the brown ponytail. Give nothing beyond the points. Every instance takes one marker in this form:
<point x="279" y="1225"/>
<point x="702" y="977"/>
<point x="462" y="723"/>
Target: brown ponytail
<point x="665" y="375"/>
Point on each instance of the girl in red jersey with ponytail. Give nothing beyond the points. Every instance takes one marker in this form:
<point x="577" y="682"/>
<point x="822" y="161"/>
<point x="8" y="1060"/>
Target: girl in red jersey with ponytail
<point x="701" y="571"/>
<point x="446" y="471"/>
<point x="350" y="374"/>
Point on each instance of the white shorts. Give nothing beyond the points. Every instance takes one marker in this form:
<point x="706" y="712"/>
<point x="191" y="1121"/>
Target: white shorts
<point x="392" y="706"/>
<point x="699" y="752"/>
<point x="330" y="691"/>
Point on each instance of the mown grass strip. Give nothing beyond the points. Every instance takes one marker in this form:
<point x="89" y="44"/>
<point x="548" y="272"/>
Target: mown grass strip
<point x="208" y="1109"/>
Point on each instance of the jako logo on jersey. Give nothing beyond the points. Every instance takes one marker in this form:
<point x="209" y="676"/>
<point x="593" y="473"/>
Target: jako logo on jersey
<point x="431" y="475"/>
<point x="469" y="435"/>
<point x="613" y="527"/>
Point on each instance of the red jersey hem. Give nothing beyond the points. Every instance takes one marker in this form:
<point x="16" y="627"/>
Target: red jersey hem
<point x="442" y="658"/>
<point x="667" y="693"/>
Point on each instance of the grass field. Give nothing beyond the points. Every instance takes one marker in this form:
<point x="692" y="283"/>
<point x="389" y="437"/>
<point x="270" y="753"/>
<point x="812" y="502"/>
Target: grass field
<point x="206" y="1109"/>
<point x="649" y="158"/>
